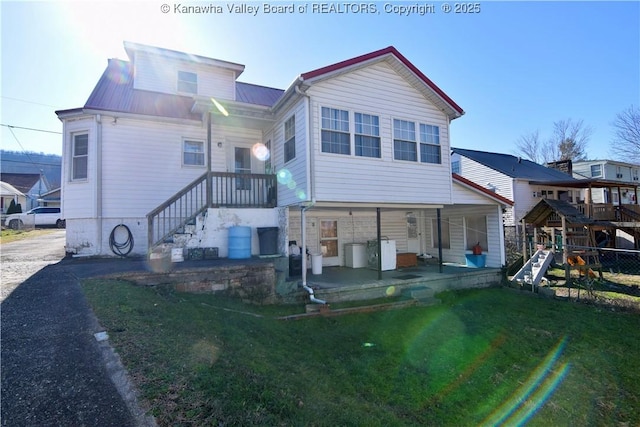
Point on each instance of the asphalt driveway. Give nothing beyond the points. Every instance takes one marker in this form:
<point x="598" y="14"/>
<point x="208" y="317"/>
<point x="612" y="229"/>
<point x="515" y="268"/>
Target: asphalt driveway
<point x="54" y="371"/>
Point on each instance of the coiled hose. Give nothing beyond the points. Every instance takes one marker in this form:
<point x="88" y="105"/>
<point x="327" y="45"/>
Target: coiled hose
<point x="122" y="249"/>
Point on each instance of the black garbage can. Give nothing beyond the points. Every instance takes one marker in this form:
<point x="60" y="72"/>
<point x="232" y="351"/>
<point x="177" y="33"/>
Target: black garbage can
<point x="268" y="238"/>
<point x="295" y="265"/>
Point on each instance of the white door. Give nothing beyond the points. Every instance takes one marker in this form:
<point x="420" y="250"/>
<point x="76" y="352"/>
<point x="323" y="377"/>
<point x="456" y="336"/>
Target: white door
<point x="413" y="233"/>
<point x="329" y="242"/>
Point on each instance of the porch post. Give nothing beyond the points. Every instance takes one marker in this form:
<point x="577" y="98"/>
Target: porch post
<point x="209" y="183"/>
<point x="524" y="239"/>
<point x="439" y="216"/>
<point x="379" y="243"/>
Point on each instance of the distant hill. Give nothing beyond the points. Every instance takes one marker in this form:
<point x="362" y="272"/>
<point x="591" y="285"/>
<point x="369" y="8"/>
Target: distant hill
<point x="30" y="162"/>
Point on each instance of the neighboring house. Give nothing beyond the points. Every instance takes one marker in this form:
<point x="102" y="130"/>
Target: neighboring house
<point x="9" y="193"/>
<point x="623" y="173"/>
<point x="51" y="198"/>
<point x="515" y="178"/>
<point x="32" y="185"/>
<point x="169" y="138"/>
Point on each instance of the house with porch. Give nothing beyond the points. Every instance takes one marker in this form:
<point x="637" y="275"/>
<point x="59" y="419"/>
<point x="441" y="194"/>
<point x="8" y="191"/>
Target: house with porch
<point x="527" y="183"/>
<point x="171" y="149"/>
<point x="31" y="185"/>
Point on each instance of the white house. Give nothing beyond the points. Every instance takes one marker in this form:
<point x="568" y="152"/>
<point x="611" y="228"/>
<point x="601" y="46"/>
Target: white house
<point x="168" y="138"/>
<point x="612" y="170"/>
<point x="31" y="185"/>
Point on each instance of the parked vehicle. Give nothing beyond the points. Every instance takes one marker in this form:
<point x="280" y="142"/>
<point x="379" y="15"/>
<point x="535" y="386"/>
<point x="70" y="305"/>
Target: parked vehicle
<point x="36" y="217"/>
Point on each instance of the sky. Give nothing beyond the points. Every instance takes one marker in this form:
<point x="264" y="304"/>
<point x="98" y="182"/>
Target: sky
<point x="514" y="66"/>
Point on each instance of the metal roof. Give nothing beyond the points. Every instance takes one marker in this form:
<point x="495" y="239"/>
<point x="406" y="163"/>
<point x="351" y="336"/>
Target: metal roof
<point x="516" y="167"/>
<point x="114" y="92"/>
<point x="258" y="95"/>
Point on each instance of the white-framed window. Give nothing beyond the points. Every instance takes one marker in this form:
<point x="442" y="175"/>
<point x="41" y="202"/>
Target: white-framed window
<point x="193" y="152"/>
<point x="596" y="171"/>
<point x="335" y="131"/>
<point x="456" y="167"/>
<point x="430" y="144"/>
<point x="367" y="135"/>
<point x="187" y="82"/>
<point x="290" y="139"/>
<point x="445" y="236"/>
<point x="79" y="156"/>
<point x="475" y="228"/>
<point x="404" y="140"/>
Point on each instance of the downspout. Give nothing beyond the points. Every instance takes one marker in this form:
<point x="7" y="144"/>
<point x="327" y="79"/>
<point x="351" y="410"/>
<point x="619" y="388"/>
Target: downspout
<point x="99" y="181"/>
<point x="311" y="196"/>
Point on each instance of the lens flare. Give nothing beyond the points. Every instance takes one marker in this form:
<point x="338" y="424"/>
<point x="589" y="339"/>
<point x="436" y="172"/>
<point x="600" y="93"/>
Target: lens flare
<point x="284" y="176"/>
<point x="260" y="152"/>
<point x="390" y="291"/>
<point x="220" y="108"/>
<point x="300" y="194"/>
<point x="540" y="385"/>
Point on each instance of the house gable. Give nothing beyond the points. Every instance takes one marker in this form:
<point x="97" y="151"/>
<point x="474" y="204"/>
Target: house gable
<point x="375" y="89"/>
<point x="401" y="65"/>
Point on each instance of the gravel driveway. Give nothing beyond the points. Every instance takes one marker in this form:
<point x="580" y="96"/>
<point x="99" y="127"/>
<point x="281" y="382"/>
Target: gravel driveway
<point x="23" y="258"/>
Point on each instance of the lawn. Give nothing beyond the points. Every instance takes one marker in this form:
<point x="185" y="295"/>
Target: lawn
<point x="9" y="235"/>
<point x="482" y="357"/>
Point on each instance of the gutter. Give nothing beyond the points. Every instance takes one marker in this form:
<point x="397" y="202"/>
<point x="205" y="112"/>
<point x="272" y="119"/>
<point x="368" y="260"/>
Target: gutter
<point x="99" y="181"/>
<point x="310" y="193"/>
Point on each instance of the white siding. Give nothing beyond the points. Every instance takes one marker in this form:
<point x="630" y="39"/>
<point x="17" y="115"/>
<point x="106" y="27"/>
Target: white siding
<point x="290" y="192"/>
<point x="378" y="90"/>
<point x="78" y="197"/>
<point x="159" y="74"/>
<point x="486" y="177"/>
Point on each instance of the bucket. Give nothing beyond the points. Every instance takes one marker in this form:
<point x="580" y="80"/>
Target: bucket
<point x="316" y="263"/>
<point x="239" y="242"/>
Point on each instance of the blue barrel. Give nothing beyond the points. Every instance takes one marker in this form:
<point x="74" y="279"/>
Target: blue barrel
<point x="239" y="242"/>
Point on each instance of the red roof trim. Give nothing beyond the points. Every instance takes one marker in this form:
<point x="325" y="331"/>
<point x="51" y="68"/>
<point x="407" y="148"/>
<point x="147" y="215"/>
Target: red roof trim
<point x="482" y="189"/>
<point x="376" y="54"/>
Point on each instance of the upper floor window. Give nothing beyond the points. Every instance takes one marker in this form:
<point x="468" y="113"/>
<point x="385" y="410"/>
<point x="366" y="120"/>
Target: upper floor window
<point x="596" y="170"/>
<point x="290" y="139"/>
<point x="193" y="153"/>
<point x="335" y="131"/>
<point x="456" y="167"/>
<point x="187" y="82"/>
<point x="430" y="144"/>
<point x="404" y="140"/>
<point x="80" y="156"/>
<point x="367" y="135"/>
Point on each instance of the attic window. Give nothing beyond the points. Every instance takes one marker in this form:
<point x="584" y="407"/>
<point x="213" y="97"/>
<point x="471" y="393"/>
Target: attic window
<point x="187" y="82"/>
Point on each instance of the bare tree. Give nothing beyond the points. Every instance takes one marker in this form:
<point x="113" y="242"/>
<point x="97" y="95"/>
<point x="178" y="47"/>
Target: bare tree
<point x="569" y="140"/>
<point x="529" y="146"/>
<point x="626" y="142"/>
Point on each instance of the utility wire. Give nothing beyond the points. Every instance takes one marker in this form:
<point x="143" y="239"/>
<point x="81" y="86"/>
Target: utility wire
<point x="29" y="102"/>
<point x="33" y="129"/>
<point x="25" y="151"/>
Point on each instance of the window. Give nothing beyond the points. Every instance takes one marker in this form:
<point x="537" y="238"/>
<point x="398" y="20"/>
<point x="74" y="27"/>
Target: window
<point x="430" y="144"/>
<point x="404" y="140"/>
<point x="456" y="167"/>
<point x="193" y="153"/>
<point x="444" y="229"/>
<point x="187" y="82"/>
<point x="596" y="170"/>
<point x="80" y="156"/>
<point x="476" y="232"/>
<point x="367" y="135"/>
<point x="290" y="139"/>
<point x="335" y="131"/>
<point x="243" y="165"/>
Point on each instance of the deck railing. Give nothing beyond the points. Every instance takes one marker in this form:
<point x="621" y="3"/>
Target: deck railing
<point x="610" y="212"/>
<point x="210" y="190"/>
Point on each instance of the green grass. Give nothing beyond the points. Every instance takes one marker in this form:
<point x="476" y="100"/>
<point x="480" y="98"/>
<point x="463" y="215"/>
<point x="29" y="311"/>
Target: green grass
<point x="482" y="357"/>
<point x="8" y="235"/>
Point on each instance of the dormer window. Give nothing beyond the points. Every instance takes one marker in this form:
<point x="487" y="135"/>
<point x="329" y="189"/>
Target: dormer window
<point x="187" y="82"/>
